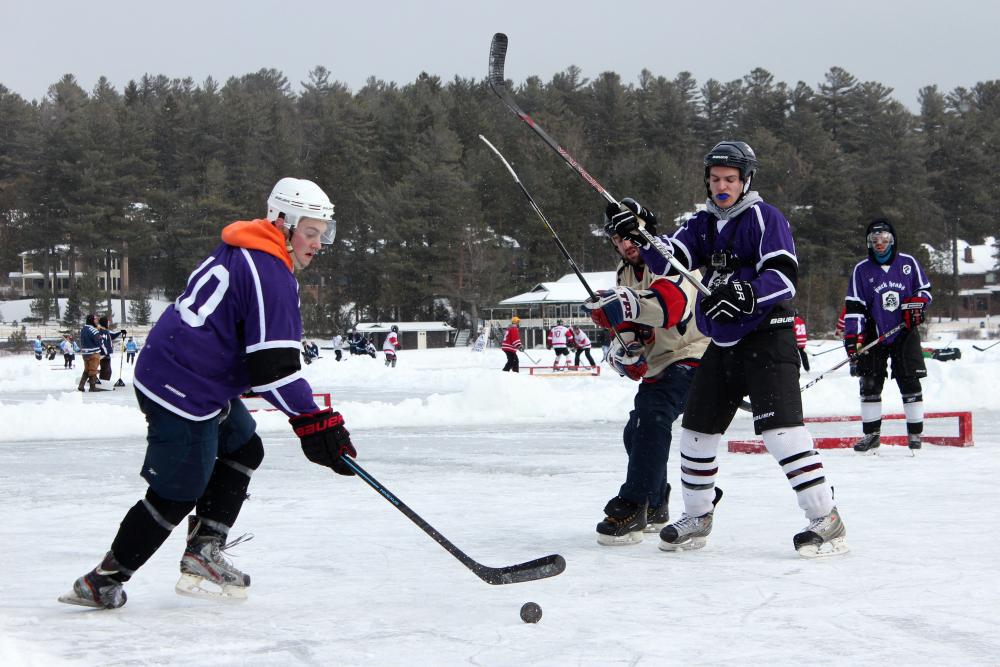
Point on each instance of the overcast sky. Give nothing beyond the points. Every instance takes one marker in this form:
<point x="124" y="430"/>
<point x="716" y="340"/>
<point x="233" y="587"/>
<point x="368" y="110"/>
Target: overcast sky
<point x="904" y="44"/>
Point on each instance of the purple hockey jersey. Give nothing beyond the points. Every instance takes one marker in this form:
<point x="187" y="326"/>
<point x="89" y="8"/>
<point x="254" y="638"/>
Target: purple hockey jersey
<point x="877" y="291"/>
<point x="760" y="238"/>
<point x="236" y="325"/>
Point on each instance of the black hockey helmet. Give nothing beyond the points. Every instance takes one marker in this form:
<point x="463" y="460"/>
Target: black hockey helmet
<point x="736" y="154"/>
<point x="394" y="329"/>
<point x="875" y="228"/>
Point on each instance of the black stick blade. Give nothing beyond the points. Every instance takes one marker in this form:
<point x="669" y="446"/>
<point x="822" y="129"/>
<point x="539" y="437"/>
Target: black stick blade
<point x="540" y="568"/>
<point x="498" y="53"/>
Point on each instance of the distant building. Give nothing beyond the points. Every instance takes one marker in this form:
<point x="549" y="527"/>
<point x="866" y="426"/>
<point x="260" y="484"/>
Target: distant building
<point x="31" y="280"/>
<point x="540" y="307"/>
<point x="412" y="335"/>
<point x="978" y="273"/>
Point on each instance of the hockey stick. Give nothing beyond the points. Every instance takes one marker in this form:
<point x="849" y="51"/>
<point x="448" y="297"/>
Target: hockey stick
<point x="540" y="568"/>
<point x="498" y="53"/>
<point x="983" y="349"/>
<point x="816" y="354"/>
<point x="121" y="365"/>
<point x="552" y="231"/>
<point x="863" y="350"/>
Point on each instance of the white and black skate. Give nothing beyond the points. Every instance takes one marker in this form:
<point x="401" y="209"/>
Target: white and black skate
<point x="97" y="588"/>
<point x="914" y="443"/>
<point x="657" y="517"/>
<point x="825" y="536"/>
<point x="623" y="523"/>
<point x="203" y="562"/>
<point x="868" y="444"/>
<point x="690" y="532"/>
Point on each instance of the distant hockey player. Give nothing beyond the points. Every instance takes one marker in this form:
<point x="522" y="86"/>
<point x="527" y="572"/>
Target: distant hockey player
<point x="801" y="338"/>
<point x="338" y="344"/>
<point x="66" y="347"/>
<point x="559" y="336"/>
<point x="582" y="343"/>
<point x="131" y="349"/>
<point x="91" y="343"/>
<point x="236" y="326"/>
<point x="39" y="347"/>
<point x="747" y="250"/>
<point x="356" y="342"/>
<point x="885" y="290"/>
<point x="390" y="345"/>
<point x="653" y="315"/>
<point x="107" y="346"/>
<point x="511" y="345"/>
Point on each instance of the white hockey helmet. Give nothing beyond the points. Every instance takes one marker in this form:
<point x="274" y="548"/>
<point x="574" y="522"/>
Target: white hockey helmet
<point x="297" y="198"/>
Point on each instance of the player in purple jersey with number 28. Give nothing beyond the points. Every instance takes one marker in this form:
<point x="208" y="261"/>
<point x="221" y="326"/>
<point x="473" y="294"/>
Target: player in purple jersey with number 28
<point x="745" y="246"/>
<point x="235" y="327"/>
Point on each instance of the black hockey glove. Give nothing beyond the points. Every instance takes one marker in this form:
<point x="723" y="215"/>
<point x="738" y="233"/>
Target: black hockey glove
<point x="624" y="220"/>
<point x="852" y="343"/>
<point x="324" y="439"/>
<point x="728" y="303"/>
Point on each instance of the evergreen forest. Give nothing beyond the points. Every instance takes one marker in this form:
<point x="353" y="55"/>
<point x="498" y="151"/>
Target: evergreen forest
<point x="430" y="224"/>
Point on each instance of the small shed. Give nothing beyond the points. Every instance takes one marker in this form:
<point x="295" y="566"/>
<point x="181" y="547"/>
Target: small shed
<point x="412" y="335"/>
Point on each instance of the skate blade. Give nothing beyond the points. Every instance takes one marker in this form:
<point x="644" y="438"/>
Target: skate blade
<point x="687" y="545"/>
<point x="619" y="540"/>
<point x="192" y="586"/>
<point x="73" y="598"/>
<point x="834" y="547"/>
<point x="655" y="527"/>
<point x="867" y="452"/>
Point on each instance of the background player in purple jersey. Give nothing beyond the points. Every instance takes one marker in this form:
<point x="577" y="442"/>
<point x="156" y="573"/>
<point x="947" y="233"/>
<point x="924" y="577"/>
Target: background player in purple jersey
<point x="887" y="289"/>
<point x="746" y="247"/>
<point x="235" y="327"/>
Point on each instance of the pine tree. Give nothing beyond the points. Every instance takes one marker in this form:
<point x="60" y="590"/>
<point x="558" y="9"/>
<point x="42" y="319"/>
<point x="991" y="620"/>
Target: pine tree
<point x="139" y="309"/>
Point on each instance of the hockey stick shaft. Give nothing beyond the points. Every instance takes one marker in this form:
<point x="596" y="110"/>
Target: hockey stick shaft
<point x="498" y="54"/>
<point x="816" y="354"/>
<point x="540" y="568"/>
<point x="552" y="231"/>
<point x="863" y="350"/>
<point x="983" y="349"/>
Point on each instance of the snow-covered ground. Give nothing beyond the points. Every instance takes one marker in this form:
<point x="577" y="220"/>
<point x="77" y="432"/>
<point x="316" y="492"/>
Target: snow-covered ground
<point x="510" y="468"/>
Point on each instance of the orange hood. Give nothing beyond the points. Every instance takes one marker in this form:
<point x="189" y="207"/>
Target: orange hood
<point x="258" y="235"/>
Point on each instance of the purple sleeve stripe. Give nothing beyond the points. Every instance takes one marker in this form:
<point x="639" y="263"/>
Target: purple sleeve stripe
<point x="262" y="320"/>
<point x="776" y="253"/>
<point x="684" y="249"/>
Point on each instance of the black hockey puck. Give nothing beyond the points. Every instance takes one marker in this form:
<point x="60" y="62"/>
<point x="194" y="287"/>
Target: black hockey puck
<point x="531" y="612"/>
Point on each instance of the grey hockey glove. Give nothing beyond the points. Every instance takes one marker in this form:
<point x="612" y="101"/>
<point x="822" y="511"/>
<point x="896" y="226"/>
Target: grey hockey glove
<point x="628" y="361"/>
<point x="612" y="307"/>
<point x="730" y="302"/>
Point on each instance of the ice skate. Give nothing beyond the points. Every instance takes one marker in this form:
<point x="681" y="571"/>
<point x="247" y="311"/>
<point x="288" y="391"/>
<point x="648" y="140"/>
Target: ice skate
<point x="868" y="444"/>
<point x="914" y="443"/>
<point x="97" y="589"/>
<point x="659" y="516"/>
<point x="623" y="522"/>
<point x="203" y="561"/>
<point x="690" y="532"/>
<point x="825" y="536"/>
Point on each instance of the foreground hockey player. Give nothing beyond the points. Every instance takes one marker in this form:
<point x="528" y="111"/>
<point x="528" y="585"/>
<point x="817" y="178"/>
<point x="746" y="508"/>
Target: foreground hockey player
<point x="887" y="289"/>
<point x="653" y="315"/>
<point x="747" y="249"/>
<point x="236" y="326"/>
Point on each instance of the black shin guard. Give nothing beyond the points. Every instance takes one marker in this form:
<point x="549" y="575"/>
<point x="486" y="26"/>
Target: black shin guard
<point x="145" y="528"/>
<point x="227" y="488"/>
